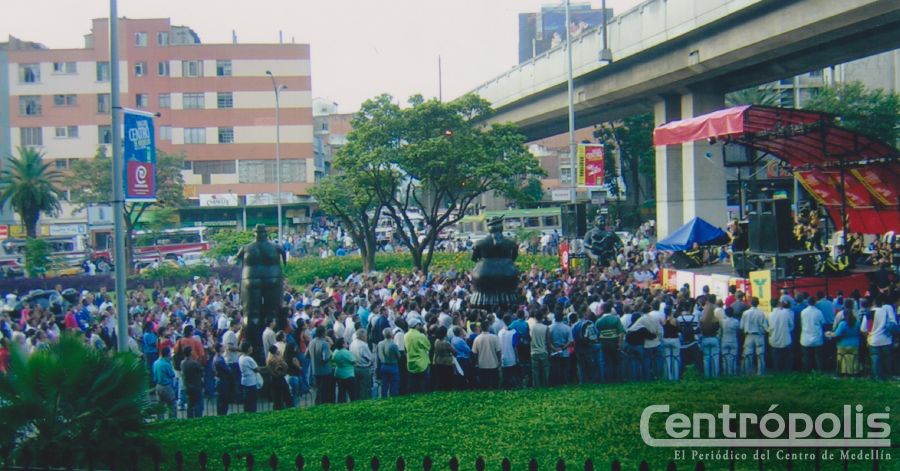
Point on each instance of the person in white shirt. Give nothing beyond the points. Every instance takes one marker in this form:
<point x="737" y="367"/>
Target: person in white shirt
<point x="879" y="329"/>
<point x="268" y="336"/>
<point x="508" y="359"/>
<point x="754" y="325"/>
<point x="365" y="364"/>
<point x="812" y="336"/>
<point x="781" y="324"/>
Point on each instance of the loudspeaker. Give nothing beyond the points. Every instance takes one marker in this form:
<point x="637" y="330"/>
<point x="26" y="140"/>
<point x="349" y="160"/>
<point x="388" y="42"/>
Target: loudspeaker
<point x="797" y="265"/>
<point x="682" y="261"/>
<point x="574" y="220"/>
<point x="744" y="264"/>
<point x="771" y="227"/>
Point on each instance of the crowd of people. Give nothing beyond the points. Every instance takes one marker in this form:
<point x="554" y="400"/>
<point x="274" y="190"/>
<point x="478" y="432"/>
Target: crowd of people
<point x="381" y="335"/>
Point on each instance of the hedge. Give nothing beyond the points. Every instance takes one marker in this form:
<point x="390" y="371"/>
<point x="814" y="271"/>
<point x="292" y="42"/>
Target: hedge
<point x="600" y="422"/>
<point x="306" y="270"/>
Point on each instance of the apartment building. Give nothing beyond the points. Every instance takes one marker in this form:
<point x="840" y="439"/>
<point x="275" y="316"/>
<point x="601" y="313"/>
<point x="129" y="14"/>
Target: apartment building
<point x="216" y="105"/>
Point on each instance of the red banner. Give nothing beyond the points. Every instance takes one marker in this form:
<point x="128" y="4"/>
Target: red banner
<point x="876" y="181"/>
<point x="820" y="187"/>
<point x="590" y="162"/>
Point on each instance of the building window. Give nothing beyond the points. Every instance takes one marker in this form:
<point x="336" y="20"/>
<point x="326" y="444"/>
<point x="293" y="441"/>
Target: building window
<point x="140" y="39"/>
<point x="30" y="105"/>
<point x="214" y="167"/>
<point x="103" y="103"/>
<point x="193" y="101"/>
<point x="31" y="136"/>
<point x="195" y="135"/>
<point x="226" y="135"/>
<point x="140" y="69"/>
<point x="29" y="73"/>
<point x="263" y="171"/>
<point x="65" y="100"/>
<point x="65" y="68"/>
<point x="61" y="164"/>
<point x="162" y="69"/>
<point x="165" y="101"/>
<point x="192" y="68"/>
<point x="103" y="71"/>
<point x="66" y="132"/>
<point x="162" y="38"/>
<point x="165" y="133"/>
<point x="142" y="100"/>
<point x="223" y="68"/>
<point x="104" y="135"/>
<point x="225" y="100"/>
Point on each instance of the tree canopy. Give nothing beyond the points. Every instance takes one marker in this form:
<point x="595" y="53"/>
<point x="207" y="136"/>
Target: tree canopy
<point x="435" y="159"/>
<point x="31" y="187"/>
<point x="875" y="113"/>
<point x="91" y="184"/>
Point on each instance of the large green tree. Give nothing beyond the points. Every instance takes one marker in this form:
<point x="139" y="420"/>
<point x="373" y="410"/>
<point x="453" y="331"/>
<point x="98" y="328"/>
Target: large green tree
<point x="30" y="187"/>
<point x="632" y="139"/>
<point x="875" y="113"/>
<point x="357" y="206"/>
<point x="433" y="159"/>
<point x="91" y="182"/>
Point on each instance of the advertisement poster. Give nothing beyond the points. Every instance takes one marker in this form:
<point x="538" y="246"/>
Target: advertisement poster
<point x="761" y="287"/>
<point x="140" y="157"/>
<point x="590" y="165"/>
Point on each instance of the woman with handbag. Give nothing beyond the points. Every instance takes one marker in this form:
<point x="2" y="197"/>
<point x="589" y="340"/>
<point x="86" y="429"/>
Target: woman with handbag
<point x="251" y="380"/>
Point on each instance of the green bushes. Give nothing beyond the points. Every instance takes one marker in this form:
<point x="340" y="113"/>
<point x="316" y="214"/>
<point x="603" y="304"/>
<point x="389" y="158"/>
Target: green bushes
<point x="69" y="403"/>
<point x="573" y="423"/>
<point x="306" y="270"/>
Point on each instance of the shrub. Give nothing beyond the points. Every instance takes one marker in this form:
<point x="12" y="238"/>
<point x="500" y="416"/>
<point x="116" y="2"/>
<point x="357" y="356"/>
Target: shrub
<point x="62" y="403"/>
<point x="306" y="270"/>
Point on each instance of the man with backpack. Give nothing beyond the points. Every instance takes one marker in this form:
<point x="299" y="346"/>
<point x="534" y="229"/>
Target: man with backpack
<point x="689" y="323"/>
<point x="586" y="338"/>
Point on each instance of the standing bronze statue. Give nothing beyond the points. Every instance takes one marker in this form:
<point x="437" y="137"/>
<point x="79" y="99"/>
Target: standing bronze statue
<point x="262" y="286"/>
<point x="495" y="276"/>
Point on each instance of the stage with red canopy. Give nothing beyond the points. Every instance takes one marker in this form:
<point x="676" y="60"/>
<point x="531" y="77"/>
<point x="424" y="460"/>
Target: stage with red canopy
<point x="845" y="171"/>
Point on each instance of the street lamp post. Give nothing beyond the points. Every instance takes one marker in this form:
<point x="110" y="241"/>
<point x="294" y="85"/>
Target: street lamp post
<point x="572" y="148"/>
<point x="278" y="89"/>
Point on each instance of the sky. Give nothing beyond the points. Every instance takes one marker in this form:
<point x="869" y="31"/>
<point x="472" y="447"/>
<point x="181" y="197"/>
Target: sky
<point x="359" y="48"/>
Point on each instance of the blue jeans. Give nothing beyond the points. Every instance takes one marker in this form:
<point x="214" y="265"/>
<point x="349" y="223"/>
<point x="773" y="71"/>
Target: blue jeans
<point x="729" y="359"/>
<point x="390" y="380"/>
<point x="586" y="366"/>
<point x="711" y="350"/>
<point x="294" y="383"/>
<point x="782" y="358"/>
<point x="634" y="362"/>
<point x="671" y="357"/>
<point x="611" y="364"/>
<point x="652" y="362"/>
<point x="881" y="361"/>
<point x="250" y="393"/>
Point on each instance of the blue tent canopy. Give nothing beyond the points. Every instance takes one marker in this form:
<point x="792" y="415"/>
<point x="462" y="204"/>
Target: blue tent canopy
<point x="696" y="230"/>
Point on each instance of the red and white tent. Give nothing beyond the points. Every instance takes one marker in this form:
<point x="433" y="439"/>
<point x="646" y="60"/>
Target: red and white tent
<point x="845" y="171"/>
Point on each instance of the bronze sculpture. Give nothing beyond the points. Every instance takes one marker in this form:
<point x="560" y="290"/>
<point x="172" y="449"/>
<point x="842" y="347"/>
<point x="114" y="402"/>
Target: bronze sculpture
<point x="262" y="286"/>
<point x="495" y="276"/>
<point x="602" y="245"/>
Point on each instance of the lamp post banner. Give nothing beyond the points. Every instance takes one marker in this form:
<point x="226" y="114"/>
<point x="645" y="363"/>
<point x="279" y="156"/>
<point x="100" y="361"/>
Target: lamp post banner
<point x="140" y="157"/>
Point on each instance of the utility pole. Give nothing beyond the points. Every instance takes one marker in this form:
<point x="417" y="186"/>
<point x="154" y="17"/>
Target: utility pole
<point x="117" y="182"/>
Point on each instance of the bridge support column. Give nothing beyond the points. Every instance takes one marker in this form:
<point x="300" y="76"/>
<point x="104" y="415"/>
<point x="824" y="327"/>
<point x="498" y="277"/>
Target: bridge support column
<point x="669" y="198"/>
<point x="703" y="175"/>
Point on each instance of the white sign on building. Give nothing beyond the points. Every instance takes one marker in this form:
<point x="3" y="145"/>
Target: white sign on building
<point x="218" y="200"/>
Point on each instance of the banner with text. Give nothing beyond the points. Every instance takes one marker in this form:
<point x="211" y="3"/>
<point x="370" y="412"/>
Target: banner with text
<point x="139" y="156"/>
<point x="590" y="164"/>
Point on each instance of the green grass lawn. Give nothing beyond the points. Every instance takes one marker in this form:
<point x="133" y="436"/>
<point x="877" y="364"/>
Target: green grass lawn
<point x="573" y="423"/>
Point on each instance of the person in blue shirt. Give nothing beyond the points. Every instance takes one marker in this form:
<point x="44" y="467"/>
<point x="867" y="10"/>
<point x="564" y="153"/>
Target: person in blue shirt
<point x="149" y="346"/>
<point x="560" y="341"/>
<point x="847" y="335"/>
<point x="164" y="376"/>
<point x="83" y="316"/>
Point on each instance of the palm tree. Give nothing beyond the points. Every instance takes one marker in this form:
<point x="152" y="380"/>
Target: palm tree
<point x="68" y="404"/>
<point x="31" y="187"/>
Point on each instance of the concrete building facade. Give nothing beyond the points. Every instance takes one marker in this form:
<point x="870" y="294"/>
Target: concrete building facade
<point x="216" y="105"/>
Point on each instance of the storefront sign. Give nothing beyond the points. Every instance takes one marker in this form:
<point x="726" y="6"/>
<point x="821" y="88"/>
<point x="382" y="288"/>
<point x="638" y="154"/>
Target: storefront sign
<point x="218" y="200"/>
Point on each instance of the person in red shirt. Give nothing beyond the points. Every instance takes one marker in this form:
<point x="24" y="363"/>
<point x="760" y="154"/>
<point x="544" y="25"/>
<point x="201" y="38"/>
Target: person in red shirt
<point x="4" y="356"/>
<point x="190" y="340"/>
<point x="70" y="322"/>
<point x="731" y="298"/>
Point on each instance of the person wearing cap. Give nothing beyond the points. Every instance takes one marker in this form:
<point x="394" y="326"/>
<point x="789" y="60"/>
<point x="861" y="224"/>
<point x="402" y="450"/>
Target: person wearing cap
<point x="418" y="356"/>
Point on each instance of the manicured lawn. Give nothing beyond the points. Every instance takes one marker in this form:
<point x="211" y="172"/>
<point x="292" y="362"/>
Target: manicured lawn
<point x="573" y="423"/>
